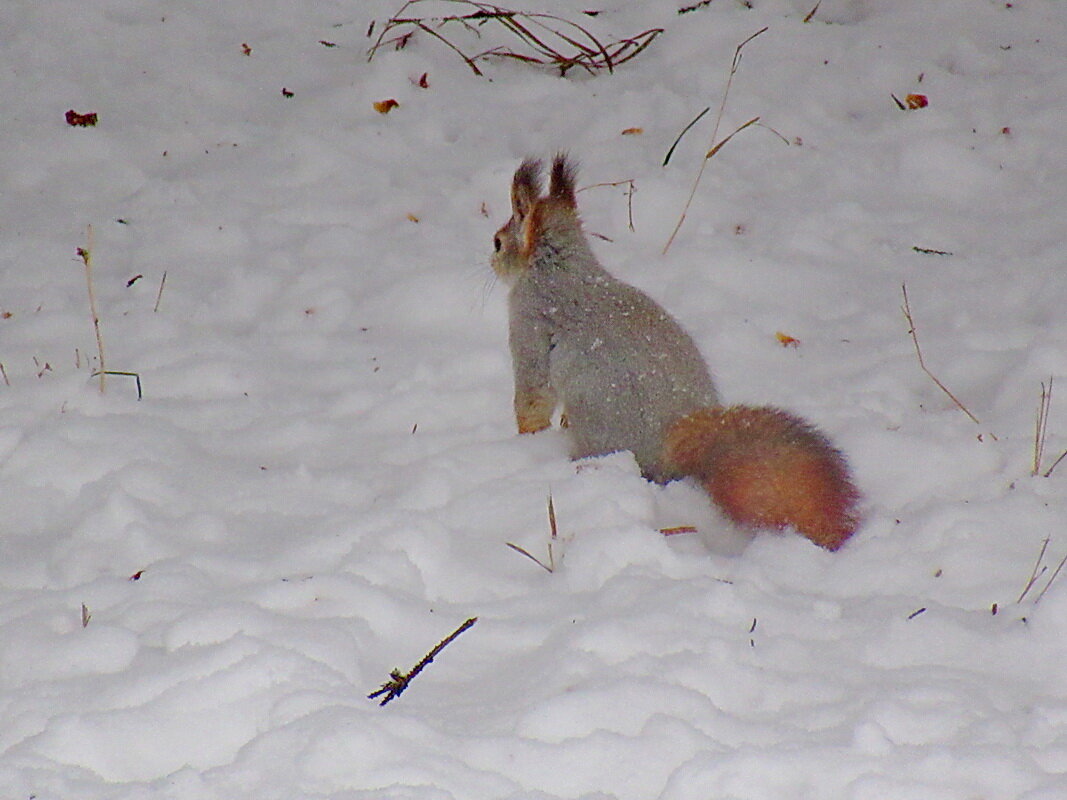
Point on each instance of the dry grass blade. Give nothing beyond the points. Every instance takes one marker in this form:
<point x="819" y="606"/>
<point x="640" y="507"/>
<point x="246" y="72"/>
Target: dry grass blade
<point x="722" y="143"/>
<point x="922" y="364"/>
<point x="545" y="39"/>
<point x="553" y="532"/>
<point x="1043" y="407"/>
<point x="1055" y="574"/>
<point x="685" y="130"/>
<point x="1055" y="464"/>
<point x="1041" y="431"/>
<point x="529" y="555"/>
<point x="1040" y="568"/>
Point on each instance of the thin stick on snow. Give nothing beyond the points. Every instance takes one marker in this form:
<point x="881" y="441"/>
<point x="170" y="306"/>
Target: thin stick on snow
<point x="1055" y="464"/>
<point x="922" y="364"/>
<point x="714" y="147"/>
<point x="86" y="255"/>
<point x="1055" y="574"/>
<point x="159" y="294"/>
<point x="1040" y="569"/>
<point x="1037" y="572"/>
<point x="398" y="681"/>
<point x="629" y="182"/>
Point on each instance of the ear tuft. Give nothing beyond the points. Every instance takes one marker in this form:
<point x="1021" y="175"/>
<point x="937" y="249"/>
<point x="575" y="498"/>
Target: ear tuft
<point x="525" y="187"/>
<point x="561" y="184"/>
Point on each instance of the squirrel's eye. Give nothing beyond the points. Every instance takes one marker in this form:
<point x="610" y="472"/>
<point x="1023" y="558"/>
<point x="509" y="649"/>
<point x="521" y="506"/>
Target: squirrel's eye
<point x="497" y="244"/>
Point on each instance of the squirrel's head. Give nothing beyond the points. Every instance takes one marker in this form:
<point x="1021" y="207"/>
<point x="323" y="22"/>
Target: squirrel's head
<point x="535" y="218"/>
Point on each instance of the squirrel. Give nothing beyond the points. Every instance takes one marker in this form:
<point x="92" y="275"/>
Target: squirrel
<point x="628" y="377"/>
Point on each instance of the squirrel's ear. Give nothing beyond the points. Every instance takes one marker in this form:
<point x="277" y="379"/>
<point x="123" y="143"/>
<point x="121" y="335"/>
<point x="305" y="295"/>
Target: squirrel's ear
<point x="561" y="184"/>
<point x="525" y="188"/>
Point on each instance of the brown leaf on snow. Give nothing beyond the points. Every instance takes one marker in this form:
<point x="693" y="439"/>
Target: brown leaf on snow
<point x="915" y="101"/>
<point x="785" y="340"/>
<point x="633" y="131"/>
<point x="81" y="120"/>
<point x="385" y="106"/>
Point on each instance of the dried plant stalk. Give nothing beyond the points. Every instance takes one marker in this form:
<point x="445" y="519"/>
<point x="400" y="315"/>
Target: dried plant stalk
<point x="1041" y="431"/>
<point x="714" y="146"/>
<point x="544" y="39"/>
<point x="922" y="364"/>
<point x="86" y="255"/>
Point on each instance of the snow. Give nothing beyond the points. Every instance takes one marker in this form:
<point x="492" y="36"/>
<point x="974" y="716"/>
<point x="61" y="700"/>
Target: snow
<point x="322" y="476"/>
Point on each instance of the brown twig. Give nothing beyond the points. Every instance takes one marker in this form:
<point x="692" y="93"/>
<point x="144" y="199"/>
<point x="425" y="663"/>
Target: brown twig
<point x="546" y="39"/>
<point x="398" y="682"/>
<point x="159" y="294"/>
<point x="922" y="364"/>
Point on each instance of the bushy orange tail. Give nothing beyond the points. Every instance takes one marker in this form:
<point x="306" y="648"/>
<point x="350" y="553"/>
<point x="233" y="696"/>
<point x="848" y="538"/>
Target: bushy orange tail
<point x="769" y="469"/>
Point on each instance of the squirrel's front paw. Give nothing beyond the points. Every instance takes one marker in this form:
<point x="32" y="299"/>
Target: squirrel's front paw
<point x="533" y="423"/>
<point x="533" y="410"/>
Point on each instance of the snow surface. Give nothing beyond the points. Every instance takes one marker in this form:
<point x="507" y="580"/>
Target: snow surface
<point x="323" y="473"/>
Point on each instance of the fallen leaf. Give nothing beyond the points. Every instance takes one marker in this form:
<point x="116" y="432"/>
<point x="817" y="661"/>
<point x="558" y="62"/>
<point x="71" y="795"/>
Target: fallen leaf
<point x="385" y="106"/>
<point x="286" y="93"/>
<point x="916" y="101"/>
<point x="81" y="120"/>
<point x="324" y="43"/>
<point x="424" y="81"/>
<point x="785" y="340"/>
<point x="413" y="218"/>
<point x="633" y="131"/>
<point x="246" y="49"/>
